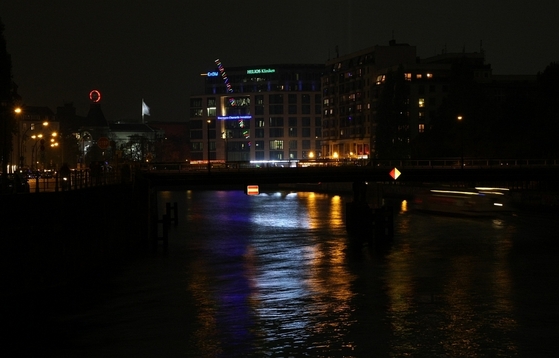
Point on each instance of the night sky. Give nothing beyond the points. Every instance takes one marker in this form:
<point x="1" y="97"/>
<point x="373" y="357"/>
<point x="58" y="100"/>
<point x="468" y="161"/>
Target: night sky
<point x="156" y="50"/>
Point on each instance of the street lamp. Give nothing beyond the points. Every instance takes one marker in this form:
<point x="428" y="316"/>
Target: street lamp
<point x="459" y="118"/>
<point x="37" y="138"/>
<point x="22" y="147"/>
<point x="208" y="130"/>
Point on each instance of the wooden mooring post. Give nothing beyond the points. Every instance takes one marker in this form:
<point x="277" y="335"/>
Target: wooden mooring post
<point x="175" y="212"/>
<point x="171" y="215"/>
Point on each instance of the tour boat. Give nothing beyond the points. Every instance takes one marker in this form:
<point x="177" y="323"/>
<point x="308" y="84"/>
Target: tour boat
<point x="477" y="201"/>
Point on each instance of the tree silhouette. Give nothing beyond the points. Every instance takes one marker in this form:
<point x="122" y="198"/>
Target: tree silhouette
<point x="8" y="97"/>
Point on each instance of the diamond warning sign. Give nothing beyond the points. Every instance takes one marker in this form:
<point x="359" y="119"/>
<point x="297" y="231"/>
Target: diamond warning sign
<point x="395" y="173"/>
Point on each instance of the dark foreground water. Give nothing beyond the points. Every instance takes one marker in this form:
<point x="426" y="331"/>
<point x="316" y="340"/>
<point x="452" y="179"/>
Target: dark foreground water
<point x="275" y="275"/>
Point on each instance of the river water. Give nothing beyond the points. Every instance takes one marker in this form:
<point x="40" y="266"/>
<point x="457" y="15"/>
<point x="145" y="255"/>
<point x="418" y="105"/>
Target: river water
<point x="276" y="275"/>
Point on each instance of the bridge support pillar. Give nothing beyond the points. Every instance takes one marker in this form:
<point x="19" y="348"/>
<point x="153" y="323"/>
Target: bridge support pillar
<point x="366" y="223"/>
<point x="358" y="213"/>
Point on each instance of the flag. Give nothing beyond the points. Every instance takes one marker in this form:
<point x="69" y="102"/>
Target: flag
<point x="145" y="109"/>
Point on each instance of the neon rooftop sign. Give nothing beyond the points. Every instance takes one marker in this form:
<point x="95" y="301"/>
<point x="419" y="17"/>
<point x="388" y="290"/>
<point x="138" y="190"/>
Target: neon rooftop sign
<point x="260" y="70"/>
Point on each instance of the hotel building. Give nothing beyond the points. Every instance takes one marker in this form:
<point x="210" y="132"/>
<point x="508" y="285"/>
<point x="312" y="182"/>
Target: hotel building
<point x="257" y="113"/>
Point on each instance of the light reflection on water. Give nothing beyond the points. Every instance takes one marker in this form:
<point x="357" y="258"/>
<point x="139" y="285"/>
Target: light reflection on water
<point x="277" y="275"/>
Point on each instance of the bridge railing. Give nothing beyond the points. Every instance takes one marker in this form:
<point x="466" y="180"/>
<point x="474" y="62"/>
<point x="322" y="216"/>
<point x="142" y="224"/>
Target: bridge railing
<point x="468" y="163"/>
<point x="439" y="163"/>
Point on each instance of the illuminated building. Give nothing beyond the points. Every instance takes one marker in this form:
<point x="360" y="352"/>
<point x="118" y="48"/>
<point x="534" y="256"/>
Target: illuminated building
<point x="257" y="113"/>
<point x="348" y="125"/>
<point x="377" y="101"/>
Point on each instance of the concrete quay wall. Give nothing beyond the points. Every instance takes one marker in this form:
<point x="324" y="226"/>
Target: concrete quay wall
<point x="51" y="239"/>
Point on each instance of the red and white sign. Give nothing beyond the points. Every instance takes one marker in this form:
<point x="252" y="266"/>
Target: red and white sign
<point x="395" y="173"/>
<point x="252" y="190"/>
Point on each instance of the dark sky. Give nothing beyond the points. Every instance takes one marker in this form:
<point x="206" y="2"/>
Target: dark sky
<point x="156" y="50"/>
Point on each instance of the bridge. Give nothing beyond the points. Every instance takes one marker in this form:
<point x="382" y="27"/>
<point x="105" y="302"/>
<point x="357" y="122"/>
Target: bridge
<point x="419" y="171"/>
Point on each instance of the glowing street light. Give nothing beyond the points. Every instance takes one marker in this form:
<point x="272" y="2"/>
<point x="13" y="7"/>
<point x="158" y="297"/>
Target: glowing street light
<point x="459" y="118"/>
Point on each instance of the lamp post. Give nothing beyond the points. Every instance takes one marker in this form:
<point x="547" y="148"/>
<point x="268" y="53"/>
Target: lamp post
<point x="459" y="118"/>
<point x="208" y="130"/>
<point x="24" y="138"/>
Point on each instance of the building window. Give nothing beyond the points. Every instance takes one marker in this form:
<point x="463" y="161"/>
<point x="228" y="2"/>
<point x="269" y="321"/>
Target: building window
<point x="292" y="144"/>
<point x="276" y="155"/>
<point x="292" y="131"/>
<point x="292" y="109"/>
<point x="421" y="128"/>
<point x="259" y="132"/>
<point x="259" y="122"/>
<point x="276" y="121"/>
<point x="276" y="145"/>
<point x="196" y="102"/>
<point x="407" y="76"/>
<point x="306" y="132"/>
<point x="196" y="146"/>
<point x="196" y="112"/>
<point x="276" y="98"/>
<point x="292" y="99"/>
<point x="259" y="145"/>
<point x="196" y="135"/>
<point x="306" y="144"/>
<point x="276" y="109"/>
<point x="194" y="124"/>
<point x="421" y="102"/>
<point x="276" y="132"/>
<point x="418" y="76"/>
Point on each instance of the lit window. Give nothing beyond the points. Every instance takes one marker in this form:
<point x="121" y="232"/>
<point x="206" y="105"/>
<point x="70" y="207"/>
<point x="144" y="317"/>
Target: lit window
<point x="421" y="128"/>
<point x="418" y="76"/>
<point x="421" y="102"/>
<point x="429" y="75"/>
<point x="276" y="144"/>
<point x="407" y="76"/>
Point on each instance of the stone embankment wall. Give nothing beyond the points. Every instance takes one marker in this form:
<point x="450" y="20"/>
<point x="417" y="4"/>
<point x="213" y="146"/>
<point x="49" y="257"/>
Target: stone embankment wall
<point x="50" y="239"/>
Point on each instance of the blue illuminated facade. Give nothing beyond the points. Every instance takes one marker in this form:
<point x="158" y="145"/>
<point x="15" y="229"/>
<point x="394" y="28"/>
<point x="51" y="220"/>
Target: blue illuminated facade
<point x="259" y="113"/>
